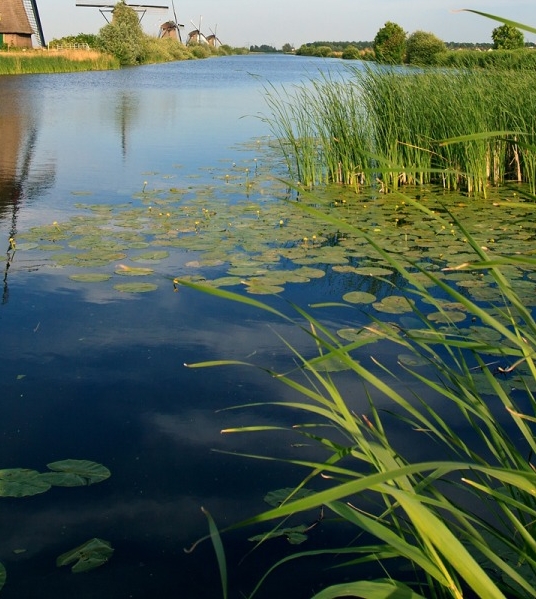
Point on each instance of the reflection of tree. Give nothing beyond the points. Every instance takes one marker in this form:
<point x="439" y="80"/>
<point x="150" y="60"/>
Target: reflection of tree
<point x="126" y="111"/>
<point x="19" y="181"/>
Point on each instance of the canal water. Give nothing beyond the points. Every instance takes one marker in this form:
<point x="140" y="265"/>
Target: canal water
<point x="92" y="374"/>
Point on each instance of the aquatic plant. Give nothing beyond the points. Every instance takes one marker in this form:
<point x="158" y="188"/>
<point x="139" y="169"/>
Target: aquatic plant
<point x="464" y="518"/>
<point x="388" y="125"/>
<point x="462" y="522"/>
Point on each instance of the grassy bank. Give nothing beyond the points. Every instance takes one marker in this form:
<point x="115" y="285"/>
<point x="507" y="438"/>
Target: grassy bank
<point x="55" y="61"/>
<point x="387" y="126"/>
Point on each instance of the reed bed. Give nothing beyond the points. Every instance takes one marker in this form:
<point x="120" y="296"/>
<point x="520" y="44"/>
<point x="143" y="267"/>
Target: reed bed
<point x="55" y="61"/>
<point x="388" y="126"/>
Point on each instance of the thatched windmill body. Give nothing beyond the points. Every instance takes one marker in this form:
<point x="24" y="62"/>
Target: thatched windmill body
<point x="19" y="20"/>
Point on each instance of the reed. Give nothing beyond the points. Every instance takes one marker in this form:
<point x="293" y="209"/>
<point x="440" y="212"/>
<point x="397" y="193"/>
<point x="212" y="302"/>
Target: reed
<point x="388" y="125"/>
<point x="56" y="61"/>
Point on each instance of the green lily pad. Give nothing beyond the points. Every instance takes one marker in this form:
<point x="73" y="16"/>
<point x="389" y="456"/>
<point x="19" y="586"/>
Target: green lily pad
<point x="412" y="360"/>
<point x="394" y="304"/>
<point x="359" y="297"/>
<point x="64" y="479"/>
<point x="88" y="556"/>
<point x="90" y="277"/>
<point x="135" y="287"/>
<point x="92" y="472"/>
<point x="295" y="535"/>
<point x="130" y="271"/>
<point x="21" y="482"/>
<point x="276" y="498"/>
<point x="3" y="575"/>
<point x="151" y="256"/>
<point x="447" y="316"/>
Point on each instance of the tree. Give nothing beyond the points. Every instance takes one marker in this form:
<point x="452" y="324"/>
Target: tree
<point x="124" y="37"/>
<point x="390" y="44"/>
<point x="423" y="47"/>
<point x="507" y="37"/>
<point x="287" y="48"/>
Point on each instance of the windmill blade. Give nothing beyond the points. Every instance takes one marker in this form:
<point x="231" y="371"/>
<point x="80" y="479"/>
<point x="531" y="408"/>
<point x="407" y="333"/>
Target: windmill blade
<point x="176" y="22"/>
<point x="30" y="7"/>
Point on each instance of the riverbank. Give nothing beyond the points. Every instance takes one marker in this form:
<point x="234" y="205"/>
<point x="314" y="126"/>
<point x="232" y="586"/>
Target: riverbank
<point x="55" y="61"/>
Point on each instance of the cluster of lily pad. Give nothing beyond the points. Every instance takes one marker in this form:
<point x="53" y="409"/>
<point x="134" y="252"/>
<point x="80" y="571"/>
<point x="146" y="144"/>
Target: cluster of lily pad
<point x="25" y="482"/>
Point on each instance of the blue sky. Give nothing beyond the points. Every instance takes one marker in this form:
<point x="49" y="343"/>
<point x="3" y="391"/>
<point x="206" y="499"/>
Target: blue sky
<point x="276" y="22"/>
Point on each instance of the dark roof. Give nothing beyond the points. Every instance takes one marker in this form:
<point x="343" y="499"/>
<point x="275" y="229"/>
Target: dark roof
<point x="13" y="17"/>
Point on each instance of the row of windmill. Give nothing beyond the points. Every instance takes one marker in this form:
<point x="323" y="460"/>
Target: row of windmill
<point x="19" y="21"/>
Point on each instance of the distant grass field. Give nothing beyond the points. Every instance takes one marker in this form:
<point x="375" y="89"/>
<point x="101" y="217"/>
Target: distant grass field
<point x="55" y="61"/>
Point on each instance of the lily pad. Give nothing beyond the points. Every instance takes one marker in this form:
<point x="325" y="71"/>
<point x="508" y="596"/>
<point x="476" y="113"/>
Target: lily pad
<point x="394" y="304"/>
<point x="295" y="535"/>
<point x="3" y="575"/>
<point x="90" y="277"/>
<point x="447" y="316"/>
<point x="21" y="482"/>
<point x="92" y="472"/>
<point x="88" y="556"/>
<point x="135" y="287"/>
<point x="276" y="498"/>
<point x="359" y="297"/>
<point x="130" y="271"/>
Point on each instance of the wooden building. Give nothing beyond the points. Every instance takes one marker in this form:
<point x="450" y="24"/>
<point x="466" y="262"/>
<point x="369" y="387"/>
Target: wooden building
<point x="15" y="28"/>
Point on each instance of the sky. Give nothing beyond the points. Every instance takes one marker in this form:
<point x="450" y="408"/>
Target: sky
<point x="277" y="22"/>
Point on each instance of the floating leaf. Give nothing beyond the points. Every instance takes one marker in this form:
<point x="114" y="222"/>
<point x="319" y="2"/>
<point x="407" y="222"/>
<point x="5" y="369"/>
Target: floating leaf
<point x="151" y="256"/>
<point x="90" y="277"/>
<point x="294" y="535"/>
<point x="3" y="575"/>
<point x="373" y="271"/>
<point x="130" y="271"/>
<point x="21" y="482"/>
<point x="92" y="472"/>
<point x="135" y="287"/>
<point x="359" y="297"/>
<point x="275" y="498"/>
<point x="447" y="316"/>
<point x="394" y="304"/>
<point x="412" y="360"/>
<point x="90" y="555"/>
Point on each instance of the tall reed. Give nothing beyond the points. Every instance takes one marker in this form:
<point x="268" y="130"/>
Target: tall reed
<point x="389" y="124"/>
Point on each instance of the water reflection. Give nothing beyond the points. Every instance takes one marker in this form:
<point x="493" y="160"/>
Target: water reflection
<point x="20" y="178"/>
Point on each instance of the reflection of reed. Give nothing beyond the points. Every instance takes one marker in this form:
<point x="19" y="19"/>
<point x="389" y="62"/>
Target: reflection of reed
<point x="18" y="181"/>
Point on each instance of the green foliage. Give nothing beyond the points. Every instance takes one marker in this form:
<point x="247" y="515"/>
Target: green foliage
<point x="287" y="48"/>
<point x="265" y="48"/>
<point x="390" y="44"/>
<point x="428" y="514"/>
<point x="351" y="53"/>
<point x="512" y="60"/>
<point x="124" y="37"/>
<point x="88" y="556"/>
<point x="388" y="127"/>
<point x="422" y="48"/>
<point x="12" y="63"/>
<point x="507" y="37"/>
<point x="82" y="39"/>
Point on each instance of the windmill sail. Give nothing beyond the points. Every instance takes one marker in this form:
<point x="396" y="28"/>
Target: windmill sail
<point x="33" y="16"/>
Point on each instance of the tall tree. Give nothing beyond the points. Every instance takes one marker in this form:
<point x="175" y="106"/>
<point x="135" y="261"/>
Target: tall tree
<point x="423" y="47"/>
<point x="124" y="37"/>
<point x="507" y="37"/>
<point x="390" y="44"/>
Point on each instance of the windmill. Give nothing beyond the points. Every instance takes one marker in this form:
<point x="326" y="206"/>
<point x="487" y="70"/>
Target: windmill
<point x="195" y="36"/>
<point x="171" y="28"/>
<point x="213" y="39"/>
<point x="19" y="20"/>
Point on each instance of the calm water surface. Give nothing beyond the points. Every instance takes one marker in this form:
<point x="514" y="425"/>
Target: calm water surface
<point x="89" y="375"/>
